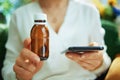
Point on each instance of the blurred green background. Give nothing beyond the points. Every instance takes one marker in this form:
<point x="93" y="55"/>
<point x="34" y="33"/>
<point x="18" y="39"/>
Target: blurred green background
<point x="7" y="7"/>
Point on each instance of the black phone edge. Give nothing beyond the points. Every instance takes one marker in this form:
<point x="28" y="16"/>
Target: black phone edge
<point x="84" y="48"/>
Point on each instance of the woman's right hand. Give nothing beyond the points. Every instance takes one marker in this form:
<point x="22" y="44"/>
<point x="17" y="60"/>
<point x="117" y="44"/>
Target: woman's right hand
<point x="27" y="63"/>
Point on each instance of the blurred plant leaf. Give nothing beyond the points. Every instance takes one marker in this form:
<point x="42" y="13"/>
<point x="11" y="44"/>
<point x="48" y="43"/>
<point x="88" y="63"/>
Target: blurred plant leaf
<point x="6" y="5"/>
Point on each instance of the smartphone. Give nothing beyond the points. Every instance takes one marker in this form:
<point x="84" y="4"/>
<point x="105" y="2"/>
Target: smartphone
<point x="83" y="48"/>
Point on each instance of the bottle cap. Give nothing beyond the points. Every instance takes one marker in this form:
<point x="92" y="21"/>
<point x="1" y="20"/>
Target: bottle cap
<point x="40" y="16"/>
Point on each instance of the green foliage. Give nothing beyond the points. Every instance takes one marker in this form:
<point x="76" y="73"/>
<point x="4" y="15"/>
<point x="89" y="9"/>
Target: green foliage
<point x="111" y="38"/>
<point x="3" y="39"/>
<point x="108" y="14"/>
<point x="6" y="6"/>
<point x="26" y="1"/>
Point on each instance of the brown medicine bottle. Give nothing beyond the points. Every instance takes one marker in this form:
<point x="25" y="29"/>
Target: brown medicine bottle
<point x="40" y="37"/>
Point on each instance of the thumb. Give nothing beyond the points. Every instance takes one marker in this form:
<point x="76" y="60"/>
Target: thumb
<point x="93" y="44"/>
<point x="27" y="43"/>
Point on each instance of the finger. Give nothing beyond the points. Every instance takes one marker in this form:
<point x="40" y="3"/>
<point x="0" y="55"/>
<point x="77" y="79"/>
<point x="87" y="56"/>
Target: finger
<point x="80" y="60"/>
<point x="39" y="66"/>
<point x="91" y="55"/>
<point x="73" y="56"/>
<point x="91" y="64"/>
<point x="27" y="43"/>
<point x="22" y="73"/>
<point x="27" y="66"/>
<point x="93" y="44"/>
<point x="18" y="78"/>
<point x="86" y="65"/>
<point x="27" y="54"/>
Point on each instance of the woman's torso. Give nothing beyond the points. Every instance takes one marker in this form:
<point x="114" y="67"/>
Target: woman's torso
<point x="74" y="31"/>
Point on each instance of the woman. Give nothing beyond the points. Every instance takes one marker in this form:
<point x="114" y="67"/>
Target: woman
<point x="70" y="24"/>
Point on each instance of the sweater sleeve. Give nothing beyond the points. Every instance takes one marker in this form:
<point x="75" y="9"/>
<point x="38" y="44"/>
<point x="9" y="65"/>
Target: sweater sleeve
<point x="13" y="46"/>
<point x="97" y="35"/>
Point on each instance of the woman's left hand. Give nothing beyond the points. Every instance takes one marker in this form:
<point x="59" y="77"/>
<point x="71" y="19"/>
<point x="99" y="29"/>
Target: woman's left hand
<point x="89" y="60"/>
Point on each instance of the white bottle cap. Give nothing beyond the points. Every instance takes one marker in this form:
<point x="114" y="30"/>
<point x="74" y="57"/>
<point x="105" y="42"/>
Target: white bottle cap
<point x="40" y="16"/>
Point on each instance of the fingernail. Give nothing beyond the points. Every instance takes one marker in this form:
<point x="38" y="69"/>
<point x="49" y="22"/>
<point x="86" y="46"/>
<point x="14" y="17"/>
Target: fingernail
<point x="27" y="61"/>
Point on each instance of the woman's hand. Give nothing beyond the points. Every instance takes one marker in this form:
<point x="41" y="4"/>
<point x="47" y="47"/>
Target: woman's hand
<point x="89" y="60"/>
<point x="27" y="63"/>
